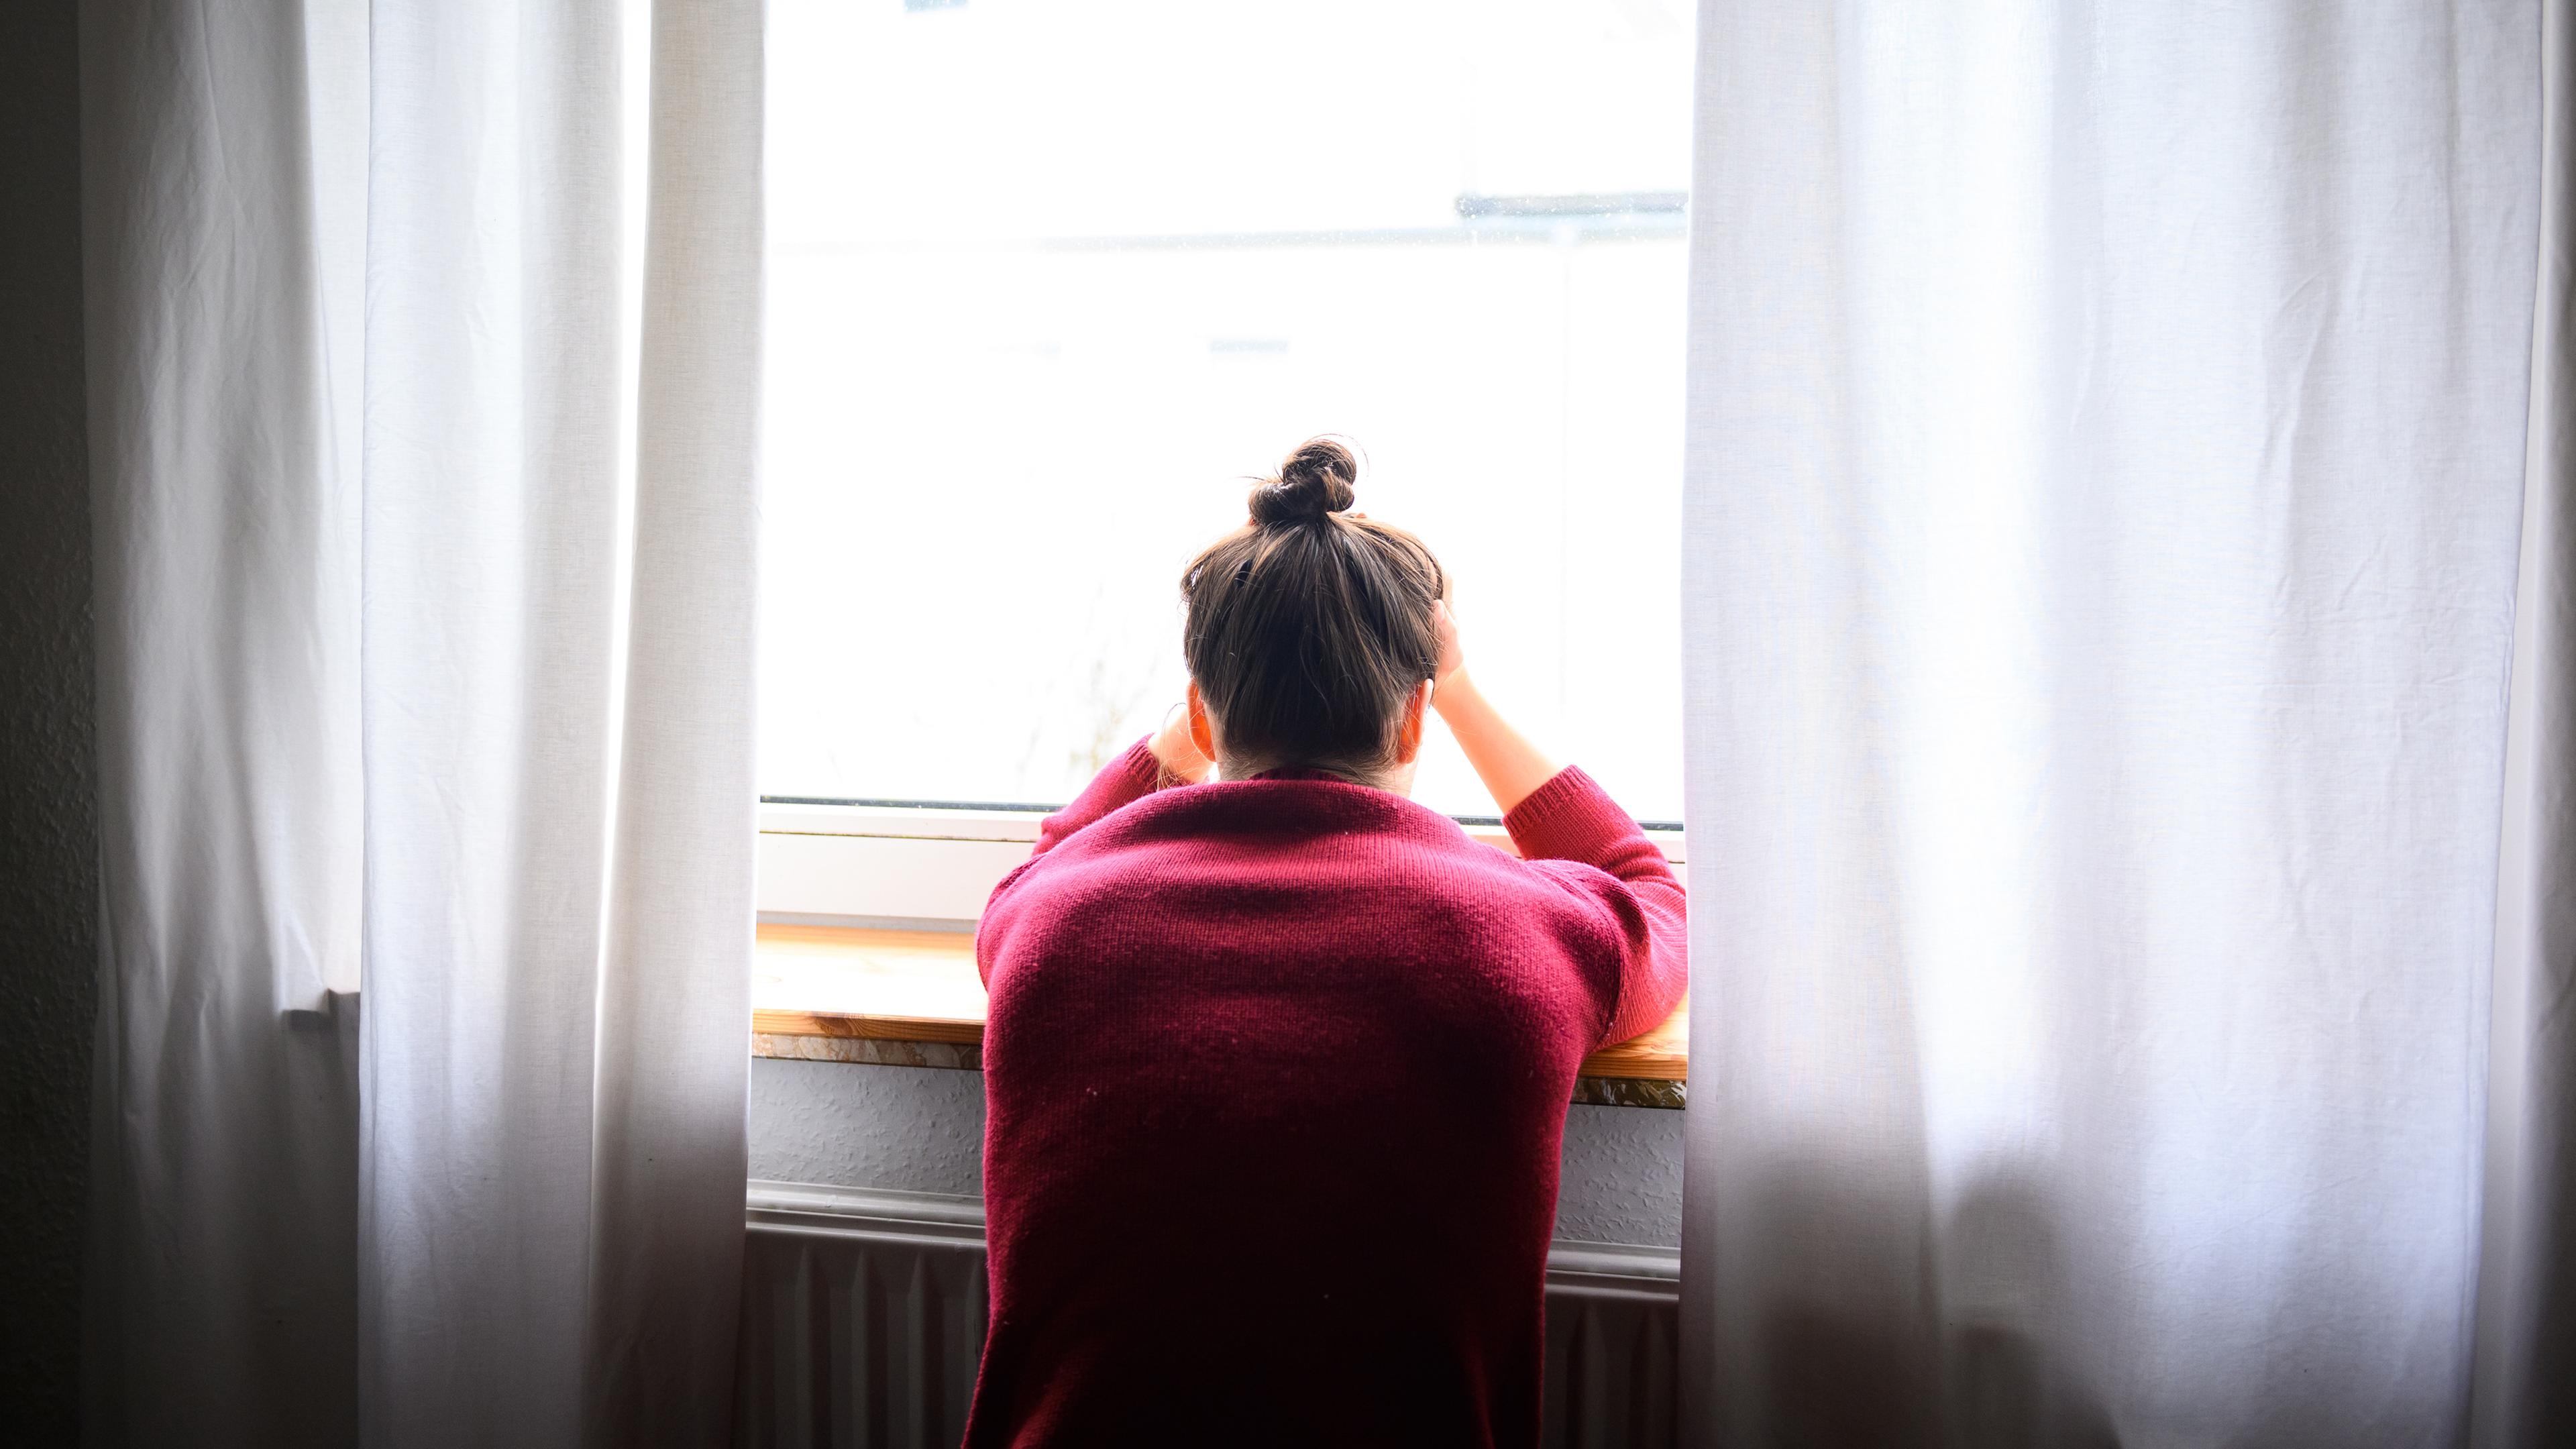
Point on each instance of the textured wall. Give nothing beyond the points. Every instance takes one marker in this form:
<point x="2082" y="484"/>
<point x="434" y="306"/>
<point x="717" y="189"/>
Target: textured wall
<point x="1620" y="1177"/>
<point x="48" y="839"/>
<point x="906" y="1129"/>
<point x="918" y="1129"/>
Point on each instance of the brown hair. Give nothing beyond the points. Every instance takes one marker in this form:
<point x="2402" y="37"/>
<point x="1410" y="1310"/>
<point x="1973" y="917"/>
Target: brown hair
<point x="1308" y="628"/>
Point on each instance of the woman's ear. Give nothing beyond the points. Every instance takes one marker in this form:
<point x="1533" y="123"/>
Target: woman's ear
<point x="1202" y="727"/>
<point x="1408" y="735"/>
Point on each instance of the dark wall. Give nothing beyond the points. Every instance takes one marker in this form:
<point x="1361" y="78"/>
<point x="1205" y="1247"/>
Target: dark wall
<point x="48" y="833"/>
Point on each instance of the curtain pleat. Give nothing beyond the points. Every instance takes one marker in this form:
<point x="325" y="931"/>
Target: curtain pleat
<point x="491" y="549"/>
<point x="2526" y="1358"/>
<point x="675" y="997"/>
<point x="559" y="873"/>
<point x="221" y="1263"/>
<point x="2104" y="463"/>
<point x="371" y="719"/>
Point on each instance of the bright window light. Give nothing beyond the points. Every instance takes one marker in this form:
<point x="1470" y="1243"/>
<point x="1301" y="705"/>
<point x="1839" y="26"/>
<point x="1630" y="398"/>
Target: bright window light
<point x="1050" y="283"/>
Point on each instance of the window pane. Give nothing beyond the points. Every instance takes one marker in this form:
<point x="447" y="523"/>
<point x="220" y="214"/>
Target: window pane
<point x="1049" y="283"/>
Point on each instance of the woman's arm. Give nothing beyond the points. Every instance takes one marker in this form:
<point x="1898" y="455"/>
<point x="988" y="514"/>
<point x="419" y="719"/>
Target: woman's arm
<point x="1148" y="765"/>
<point x="1163" y="759"/>
<point x="1505" y="760"/>
<point x="1561" y="815"/>
<point x="1128" y="778"/>
<point x="1570" y="819"/>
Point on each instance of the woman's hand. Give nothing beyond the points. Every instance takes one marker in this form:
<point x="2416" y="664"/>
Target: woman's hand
<point x="1445" y="624"/>
<point x="1508" y="763"/>
<point x="1176" y="752"/>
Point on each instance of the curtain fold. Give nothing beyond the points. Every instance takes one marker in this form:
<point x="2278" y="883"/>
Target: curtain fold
<point x="220" y="1274"/>
<point x="2105" y="458"/>
<point x="367" y="698"/>
<point x="559" y="905"/>
<point x="675" y="998"/>
<point x="2526" y="1358"/>
<point x="491" y="550"/>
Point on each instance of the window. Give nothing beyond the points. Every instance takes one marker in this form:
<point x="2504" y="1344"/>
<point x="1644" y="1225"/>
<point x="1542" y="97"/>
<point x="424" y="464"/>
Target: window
<point x="1050" y="282"/>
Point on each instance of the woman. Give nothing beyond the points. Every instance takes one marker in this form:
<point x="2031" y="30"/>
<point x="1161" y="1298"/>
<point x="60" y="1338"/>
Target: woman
<point x="1276" y="1066"/>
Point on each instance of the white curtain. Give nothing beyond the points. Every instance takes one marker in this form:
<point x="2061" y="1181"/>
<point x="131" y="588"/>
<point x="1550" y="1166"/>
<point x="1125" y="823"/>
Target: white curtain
<point x="2526" y="1363"/>
<point x="395" y="668"/>
<point x="2106" y="454"/>
<point x="221" y="1268"/>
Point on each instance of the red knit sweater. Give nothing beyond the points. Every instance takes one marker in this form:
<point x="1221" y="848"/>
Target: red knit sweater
<point x="1275" y="1074"/>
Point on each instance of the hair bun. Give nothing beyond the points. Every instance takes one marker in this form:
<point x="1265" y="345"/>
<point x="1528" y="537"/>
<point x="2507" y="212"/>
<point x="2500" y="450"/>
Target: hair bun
<point x="1314" y="480"/>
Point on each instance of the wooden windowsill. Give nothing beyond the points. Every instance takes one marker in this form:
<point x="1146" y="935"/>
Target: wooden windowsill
<point x="911" y="998"/>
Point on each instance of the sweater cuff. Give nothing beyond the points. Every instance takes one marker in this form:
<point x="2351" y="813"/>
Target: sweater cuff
<point x="1569" y="818"/>
<point x="1140" y="766"/>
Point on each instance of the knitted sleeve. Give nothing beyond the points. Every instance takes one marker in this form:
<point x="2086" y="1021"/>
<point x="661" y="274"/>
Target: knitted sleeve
<point x="1127" y="779"/>
<point x="1571" y="818"/>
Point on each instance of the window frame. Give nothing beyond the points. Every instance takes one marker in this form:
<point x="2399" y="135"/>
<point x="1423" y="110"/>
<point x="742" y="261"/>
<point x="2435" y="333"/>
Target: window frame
<point x="929" y="866"/>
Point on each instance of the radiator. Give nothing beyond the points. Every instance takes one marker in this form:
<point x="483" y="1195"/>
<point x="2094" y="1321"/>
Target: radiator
<point x="863" y="1312"/>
